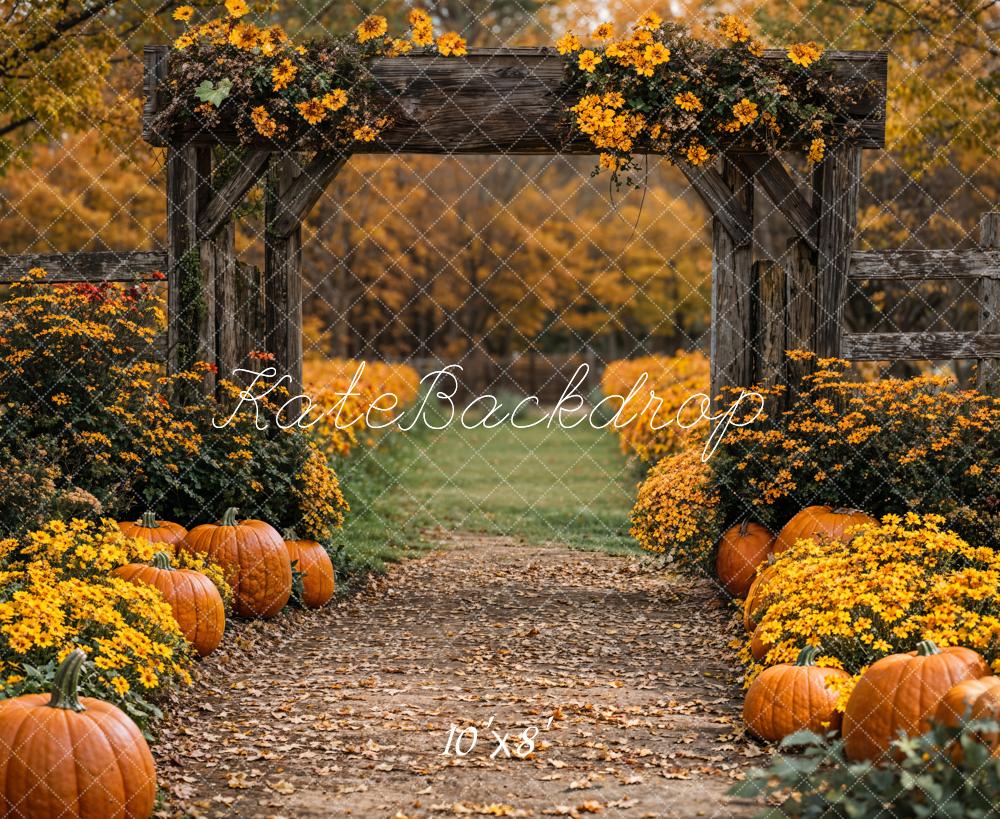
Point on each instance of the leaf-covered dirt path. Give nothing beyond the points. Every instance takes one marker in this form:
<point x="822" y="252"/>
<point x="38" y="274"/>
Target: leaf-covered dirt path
<point x="625" y="672"/>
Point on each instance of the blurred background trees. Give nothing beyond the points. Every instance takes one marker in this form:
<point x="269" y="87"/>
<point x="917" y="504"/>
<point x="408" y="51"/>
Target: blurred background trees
<point x="431" y="256"/>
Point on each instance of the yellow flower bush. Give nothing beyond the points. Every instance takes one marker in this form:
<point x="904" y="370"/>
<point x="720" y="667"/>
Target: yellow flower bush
<point x="690" y="99"/>
<point x="57" y="593"/>
<point x="674" y="379"/>
<point x="895" y="583"/>
<point x="887" y="446"/>
<point x="327" y="379"/>
<point x="676" y="511"/>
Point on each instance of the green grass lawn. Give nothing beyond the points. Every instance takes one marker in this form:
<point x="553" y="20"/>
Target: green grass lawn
<point x="540" y="484"/>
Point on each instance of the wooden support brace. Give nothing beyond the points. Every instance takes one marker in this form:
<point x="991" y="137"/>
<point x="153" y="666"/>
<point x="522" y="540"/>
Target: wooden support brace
<point x="837" y="185"/>
<point x="732" y="293"/>
<point x="718" y="197"/>
<point x="781" y="189"/>
<point x="304" y="188"/>
<point x="97" y="266"/>
<point x="220" y="209"/>
<point x="988" y="371"/>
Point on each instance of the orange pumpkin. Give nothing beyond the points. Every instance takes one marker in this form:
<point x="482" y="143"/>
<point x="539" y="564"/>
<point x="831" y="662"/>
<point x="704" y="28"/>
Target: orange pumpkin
<point x="901" y="693"/>
<point x="758" y="648"/>
<point x="975" y="700"/>
<point x="254" y="555"/>
<point x="819" y="522"/>
<point x="196" y="603"/>
<point x="153" y="530"/>
<point x="741" y="550"/>
<point x="788" y="698"/>
<point x="72" y="757"/>
<point x="312" y="560"/>
<point x="756" y="596"/>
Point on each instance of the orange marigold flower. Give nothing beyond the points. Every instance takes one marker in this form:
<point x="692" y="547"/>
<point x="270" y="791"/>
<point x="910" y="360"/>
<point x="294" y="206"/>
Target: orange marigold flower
<point x="568" y="43"/>
<point x="588" y="61"/>
<point x="688" y="102"/>
<point x="733" y="28"/>
<point x="451" y="44"/>
<point x="745" y="111"/>
<point x="650" y="20"/>
<point x="237" y="8"/>
<point x="245" y="36"/>
<point x="283" y="74"/>
<point x="365" y="134"/>
<point x="816" y="150"/>
<point x="183" y="13"/>
<point x="805" y="54"/>
<point x="697" y="154"/>
<point x="371" y="27"/>
<point x="312" y="111"/>
<point x="263" y="122"/>
<point x="334" y="100"/>
<point x="603" y="33"/>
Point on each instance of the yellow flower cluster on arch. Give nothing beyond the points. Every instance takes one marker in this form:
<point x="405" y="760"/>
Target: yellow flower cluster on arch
<point x="689" y="98"/>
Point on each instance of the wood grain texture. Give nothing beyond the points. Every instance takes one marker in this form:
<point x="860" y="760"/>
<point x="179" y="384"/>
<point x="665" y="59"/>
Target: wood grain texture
<point x="800" y="308"/>
<point x="509" y="101"/>
<point x="772" y="177"/>
<point x="720" y="201"/>
<point x="221" y="206"/>
<point x="304" y="189"/>
<point x="770" y="339"/>
<point x="98" y="266"/>
<point x="282" y="277"/>
<point x="988" y="371"/>
<point x="923" y="346"/>
<point x="924" y="265"/>
<point x="837" y="188"/>
<point x="732" y="294"/>
<point x="222" y="247"/>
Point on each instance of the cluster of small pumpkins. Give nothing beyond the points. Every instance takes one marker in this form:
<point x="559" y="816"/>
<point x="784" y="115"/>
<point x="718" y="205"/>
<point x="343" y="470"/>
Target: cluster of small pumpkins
<point x="257" y="561"/>
<point x="82" y="758"/>
<point x="898" y="694"/>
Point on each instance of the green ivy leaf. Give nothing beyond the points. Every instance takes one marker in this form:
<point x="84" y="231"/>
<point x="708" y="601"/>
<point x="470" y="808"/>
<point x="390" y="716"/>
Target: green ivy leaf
<point x="215" y="94"/>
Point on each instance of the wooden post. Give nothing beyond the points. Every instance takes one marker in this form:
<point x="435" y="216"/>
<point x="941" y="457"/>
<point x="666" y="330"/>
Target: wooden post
<point x="769" y="323"/>
<point x="800" y="309"/>
<point x="190" y="278"/>
<point x="219" y="253"/>
<point x="249" y="313"/>
<point x="282" y="277"/>
<point x="732" y="293"/>
<point x="837" y="183"/>
<point x="988" y="371"/>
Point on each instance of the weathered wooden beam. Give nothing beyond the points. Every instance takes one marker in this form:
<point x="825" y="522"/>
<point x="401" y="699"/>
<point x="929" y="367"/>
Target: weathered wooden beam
<point x="227" y="198"/>
<point x="732" y="293"/>
<point x="800" y="308"/>
<point x="97" y="266"/>
<point x="924" y="265"/>
<point x="720" y="201"/>
<point x="190" y="279"/>
<point x="770" y="338"/>
<point x="304" y="189"/>
<point x="218" y="255"/>
<point x="282" y="276"/>
<point x="250" y="321"/>
<point x="988" y="372"/>
<point x="781" y="189"/>
<point x="507" y="101"/>
<point x="837" y="189"/>
<point x="922" y="346"/>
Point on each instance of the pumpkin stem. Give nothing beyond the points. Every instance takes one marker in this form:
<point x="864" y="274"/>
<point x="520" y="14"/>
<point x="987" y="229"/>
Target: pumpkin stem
<point x="66" y="681"/>
<point x="161" y="560"/>
<point x="743" y="527"/>
<point x="807" y="656"/>
<point x="289" y="535"/>
<point x="148" y="520"/>
<point x="926" y="647"/>
<point x="845" y="510"/>
<point x="229" y="518"/>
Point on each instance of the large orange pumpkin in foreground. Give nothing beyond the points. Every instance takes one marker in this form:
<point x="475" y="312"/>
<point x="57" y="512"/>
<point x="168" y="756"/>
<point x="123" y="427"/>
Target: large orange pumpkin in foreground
<point x="741" y="550"/>
<point x="976" y="700"/>
<point x="72" y="757"/>
<point x="153" y="530"/>
<point x="312" y="560"/>
<point x="254" y="555"/>
<point x="788" y="698"/>
<point x="831" y="523"/>
<point x="901" y="693"/>
<point x="196" y="603"/>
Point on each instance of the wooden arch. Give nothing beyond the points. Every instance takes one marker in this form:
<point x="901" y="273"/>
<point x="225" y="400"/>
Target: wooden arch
<point x="506" y="101"/>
